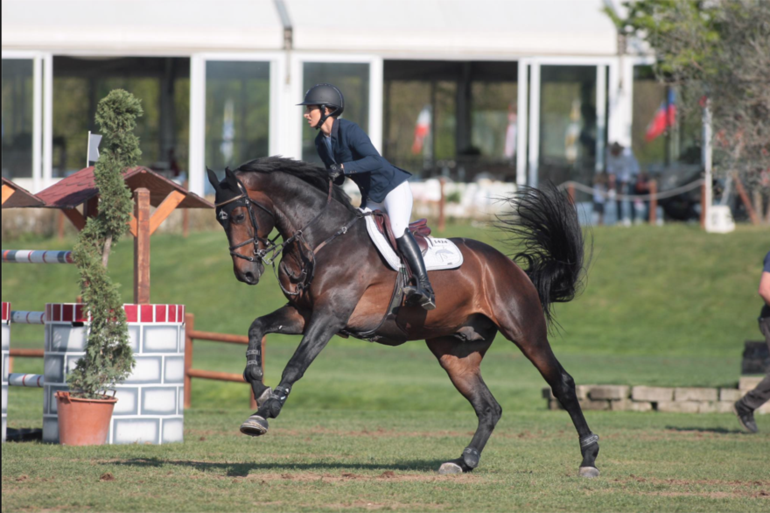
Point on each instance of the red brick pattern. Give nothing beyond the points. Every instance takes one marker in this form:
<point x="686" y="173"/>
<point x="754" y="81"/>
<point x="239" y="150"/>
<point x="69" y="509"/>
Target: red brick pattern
<point x="6" y="311"/>
<point x="74" y="312"/>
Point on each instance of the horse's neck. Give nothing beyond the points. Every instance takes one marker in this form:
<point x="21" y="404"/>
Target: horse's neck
<point x="296" y="211"/>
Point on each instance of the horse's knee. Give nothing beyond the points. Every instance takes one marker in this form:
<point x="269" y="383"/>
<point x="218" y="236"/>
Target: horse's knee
<point x="564" y="387"/>
<point x="256" y="329"/>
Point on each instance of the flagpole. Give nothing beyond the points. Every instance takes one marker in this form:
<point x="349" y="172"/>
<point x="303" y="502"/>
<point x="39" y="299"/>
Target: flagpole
<point x="88" y="148"/>
<point x="707" y="162"/>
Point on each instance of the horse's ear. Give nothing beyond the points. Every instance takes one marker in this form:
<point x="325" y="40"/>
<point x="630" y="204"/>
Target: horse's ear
<point x="213" y="179"/>
<point x="231" y="179"/>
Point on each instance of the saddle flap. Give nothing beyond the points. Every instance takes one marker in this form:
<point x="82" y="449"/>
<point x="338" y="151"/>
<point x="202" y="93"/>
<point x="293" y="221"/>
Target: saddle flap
<point x="419" y="229"/>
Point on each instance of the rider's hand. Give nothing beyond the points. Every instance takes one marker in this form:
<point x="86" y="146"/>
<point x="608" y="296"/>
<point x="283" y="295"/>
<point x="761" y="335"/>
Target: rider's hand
<point x="335" y="170"/>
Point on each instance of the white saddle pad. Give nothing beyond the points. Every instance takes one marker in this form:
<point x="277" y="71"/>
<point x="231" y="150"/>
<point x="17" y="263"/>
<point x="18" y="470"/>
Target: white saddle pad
<point x="442" y="254"/>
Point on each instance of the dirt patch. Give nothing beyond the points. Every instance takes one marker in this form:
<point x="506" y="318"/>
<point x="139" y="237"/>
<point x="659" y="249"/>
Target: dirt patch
<point x="107" y="476"/>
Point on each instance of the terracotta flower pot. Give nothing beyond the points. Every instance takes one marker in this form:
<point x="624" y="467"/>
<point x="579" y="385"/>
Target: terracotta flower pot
<point x="84" y="421"/>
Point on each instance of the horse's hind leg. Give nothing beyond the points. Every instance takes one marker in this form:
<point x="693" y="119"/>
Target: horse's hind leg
<point x="461" y="360"/>
<point x="533" y="342"/>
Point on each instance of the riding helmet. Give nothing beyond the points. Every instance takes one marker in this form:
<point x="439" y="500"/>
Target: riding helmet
<point x="325" y="95"/>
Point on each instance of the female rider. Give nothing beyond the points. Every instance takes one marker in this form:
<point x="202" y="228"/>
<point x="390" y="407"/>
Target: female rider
<point x="347" y="151"/>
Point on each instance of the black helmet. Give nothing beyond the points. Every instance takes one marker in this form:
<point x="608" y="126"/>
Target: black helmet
<point x="325" y="95"/>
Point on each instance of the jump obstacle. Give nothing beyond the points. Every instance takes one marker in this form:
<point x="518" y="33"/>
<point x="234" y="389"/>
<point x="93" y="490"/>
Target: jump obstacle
<point x="150" y="407"/>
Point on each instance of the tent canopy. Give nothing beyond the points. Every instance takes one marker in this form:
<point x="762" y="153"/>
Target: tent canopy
<point x="388" y="27"/>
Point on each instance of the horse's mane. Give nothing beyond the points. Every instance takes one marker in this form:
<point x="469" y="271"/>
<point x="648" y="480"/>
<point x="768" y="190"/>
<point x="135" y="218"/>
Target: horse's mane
<point x="308" y="173"/>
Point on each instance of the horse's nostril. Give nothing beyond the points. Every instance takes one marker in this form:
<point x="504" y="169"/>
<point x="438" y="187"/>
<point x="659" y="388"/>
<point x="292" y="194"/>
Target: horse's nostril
<point x="249" y="276"/>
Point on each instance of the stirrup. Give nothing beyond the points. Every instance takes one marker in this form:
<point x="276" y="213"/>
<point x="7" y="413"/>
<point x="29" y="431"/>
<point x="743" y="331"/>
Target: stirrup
<point x="415" y="295"/>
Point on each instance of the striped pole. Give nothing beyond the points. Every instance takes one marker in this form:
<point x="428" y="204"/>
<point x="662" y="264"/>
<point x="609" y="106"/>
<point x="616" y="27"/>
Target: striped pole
<point x="26" y="256"/>
<point x="26" y="380"/>
<point x="23" y="317"/>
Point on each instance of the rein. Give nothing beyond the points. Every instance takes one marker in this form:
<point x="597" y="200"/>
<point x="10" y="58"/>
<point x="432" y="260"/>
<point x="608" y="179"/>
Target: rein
<point x="271" y="250"/>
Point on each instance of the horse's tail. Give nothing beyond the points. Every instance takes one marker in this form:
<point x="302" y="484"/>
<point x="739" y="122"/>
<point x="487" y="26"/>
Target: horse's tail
<point x="544" y="223"/>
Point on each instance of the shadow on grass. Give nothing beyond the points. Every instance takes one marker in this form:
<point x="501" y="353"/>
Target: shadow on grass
<point x="723" y="431"/>
<point x="243" y="469"/>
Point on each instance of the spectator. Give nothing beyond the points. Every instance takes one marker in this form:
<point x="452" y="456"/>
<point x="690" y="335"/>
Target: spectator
<point x="744" y="408"/>
<point x="641" y="208"/>
<point x="600" y="196"/>
<point x="622" y="164"/>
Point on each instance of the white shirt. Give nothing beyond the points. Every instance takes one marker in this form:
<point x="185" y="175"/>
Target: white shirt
<point x="624" y="166"/>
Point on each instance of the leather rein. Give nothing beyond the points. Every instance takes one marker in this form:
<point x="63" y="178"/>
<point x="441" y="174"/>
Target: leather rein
<point x="271" y="250"/>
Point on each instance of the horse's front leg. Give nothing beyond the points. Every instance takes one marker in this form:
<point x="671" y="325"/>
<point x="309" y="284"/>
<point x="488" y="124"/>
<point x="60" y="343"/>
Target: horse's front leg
<point x="320" y="329"/>
<point x="286" y="320"/>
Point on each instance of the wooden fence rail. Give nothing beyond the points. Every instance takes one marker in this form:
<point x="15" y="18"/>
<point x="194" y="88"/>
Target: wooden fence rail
<point x="190" y="335"/>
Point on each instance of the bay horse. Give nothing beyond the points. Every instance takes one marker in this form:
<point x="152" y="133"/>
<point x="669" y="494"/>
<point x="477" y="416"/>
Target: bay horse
<point x="336" y="282"/>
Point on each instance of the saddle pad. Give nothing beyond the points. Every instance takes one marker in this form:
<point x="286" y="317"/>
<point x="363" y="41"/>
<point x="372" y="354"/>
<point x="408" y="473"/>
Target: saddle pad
<point x="442" y="254"/>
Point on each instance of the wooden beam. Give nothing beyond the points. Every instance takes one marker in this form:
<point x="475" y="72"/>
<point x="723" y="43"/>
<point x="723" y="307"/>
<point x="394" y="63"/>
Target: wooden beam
<point x="745" y="198"/>
<point x="7" y="193"/>
<point x="142" y="247"/>
<point x="173" y="200"/>
<point x="75" y="217"/>
<point x="132" y="225"/>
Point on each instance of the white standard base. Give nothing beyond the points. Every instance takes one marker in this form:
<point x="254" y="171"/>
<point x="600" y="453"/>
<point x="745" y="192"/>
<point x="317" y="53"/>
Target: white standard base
<point x="719" y="219"/>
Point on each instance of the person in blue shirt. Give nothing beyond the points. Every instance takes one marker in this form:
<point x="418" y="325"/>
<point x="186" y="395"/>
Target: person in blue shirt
<point x="745" y="407"/>
<point x="347" y="151"/>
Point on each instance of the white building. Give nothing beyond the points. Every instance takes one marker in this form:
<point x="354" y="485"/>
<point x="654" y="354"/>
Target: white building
<point x="220" y="81"/>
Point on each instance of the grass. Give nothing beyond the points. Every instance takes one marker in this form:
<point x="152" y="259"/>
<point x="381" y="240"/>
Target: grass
<point x="368" y="425"/>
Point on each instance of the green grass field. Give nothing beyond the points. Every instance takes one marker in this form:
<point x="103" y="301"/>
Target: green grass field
<point x="368" y="425"/>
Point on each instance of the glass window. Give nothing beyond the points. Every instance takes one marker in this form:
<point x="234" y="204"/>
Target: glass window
<point x="567" y="124"/>
<point x="237" y="112"/>
<point x="352" y="79"/>
<point x="17" y="118"/>
<point x="162" y="84"/>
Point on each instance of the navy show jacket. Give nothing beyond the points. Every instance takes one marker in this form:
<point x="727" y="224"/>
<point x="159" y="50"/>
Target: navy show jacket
<point x="363" y="164"/>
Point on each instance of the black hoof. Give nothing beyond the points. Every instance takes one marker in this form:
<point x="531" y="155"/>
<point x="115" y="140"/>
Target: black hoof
<point x="589" y="472"/>
<point x="254" y="426"/>
<point x="457" y="466"/>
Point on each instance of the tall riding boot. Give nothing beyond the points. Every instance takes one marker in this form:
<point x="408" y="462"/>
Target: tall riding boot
<point x="422" y="292"/>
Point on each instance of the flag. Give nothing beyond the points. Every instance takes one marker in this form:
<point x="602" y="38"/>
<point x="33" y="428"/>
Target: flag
<point x="93" y="148"/>
<point x="665" y="117"/>
<point x="421" y="129"/>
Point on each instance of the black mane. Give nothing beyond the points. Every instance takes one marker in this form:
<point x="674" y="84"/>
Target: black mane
<point x="308" y="173"/>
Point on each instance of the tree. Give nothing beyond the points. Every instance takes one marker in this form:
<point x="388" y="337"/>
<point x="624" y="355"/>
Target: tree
<point x="108" y="359"/>
<point x="715" y="51"/>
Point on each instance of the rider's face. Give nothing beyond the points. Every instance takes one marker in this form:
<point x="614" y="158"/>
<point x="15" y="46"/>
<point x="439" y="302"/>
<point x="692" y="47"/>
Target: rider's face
<point x="312" y="114"/>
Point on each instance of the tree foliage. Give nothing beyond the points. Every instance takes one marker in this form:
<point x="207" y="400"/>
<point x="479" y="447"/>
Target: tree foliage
<point x="717" y="50"/>
<point x="108" y="359"/>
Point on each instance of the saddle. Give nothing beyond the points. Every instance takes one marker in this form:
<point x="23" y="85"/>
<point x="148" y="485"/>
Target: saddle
<point x="419" y="229"/>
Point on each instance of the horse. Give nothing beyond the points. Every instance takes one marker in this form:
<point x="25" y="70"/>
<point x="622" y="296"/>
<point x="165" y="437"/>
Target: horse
<point x="336" y="282"/>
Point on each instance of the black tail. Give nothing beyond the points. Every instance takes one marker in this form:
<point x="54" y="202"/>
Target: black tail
<point x="545" y="224"/>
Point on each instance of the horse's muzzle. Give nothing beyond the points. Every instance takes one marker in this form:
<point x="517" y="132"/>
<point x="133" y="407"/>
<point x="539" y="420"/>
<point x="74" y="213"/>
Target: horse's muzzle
<point x="250" y="276"/>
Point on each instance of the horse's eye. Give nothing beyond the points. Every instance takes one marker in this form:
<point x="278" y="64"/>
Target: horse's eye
<point x="239" y="218"/>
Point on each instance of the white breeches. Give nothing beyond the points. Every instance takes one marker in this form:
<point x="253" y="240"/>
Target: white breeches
<point x="398" y="205"/>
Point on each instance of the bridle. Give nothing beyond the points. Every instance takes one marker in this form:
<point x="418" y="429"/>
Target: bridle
<point x="271" y="251"/>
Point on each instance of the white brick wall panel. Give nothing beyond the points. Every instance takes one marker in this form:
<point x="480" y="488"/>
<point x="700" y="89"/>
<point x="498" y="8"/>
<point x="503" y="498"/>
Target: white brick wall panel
<point x="51" y="429"/>
<point x="174" y="372"/>
<point x="5" y="399"/>
<point x="65" y="338"/>
<point x="159" y="401"/>
<point x="6" y="336"/>
<point x="133" y="337"/>
<point x="173" y="430"/>
<point x="53" y="368"/>
<point x="160" y="339"/>
<point x="147" y="370"/>
<point x="128" y="401"/>
<point x="129" y="431"/>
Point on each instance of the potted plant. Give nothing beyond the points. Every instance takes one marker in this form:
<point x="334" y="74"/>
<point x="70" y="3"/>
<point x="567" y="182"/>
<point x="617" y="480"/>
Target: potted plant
<point x="85" y="411"/>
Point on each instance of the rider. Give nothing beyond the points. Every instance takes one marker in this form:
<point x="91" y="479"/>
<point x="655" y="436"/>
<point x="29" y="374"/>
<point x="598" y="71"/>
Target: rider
<point x="347" y="151"/>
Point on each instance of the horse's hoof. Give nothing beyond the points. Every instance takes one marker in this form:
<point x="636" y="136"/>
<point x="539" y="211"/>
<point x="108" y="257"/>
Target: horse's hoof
<point x="450" y="468"/>
<point x="254" y="426"/>
<point x="264" y="396"/>
<point x="589" y="472"/>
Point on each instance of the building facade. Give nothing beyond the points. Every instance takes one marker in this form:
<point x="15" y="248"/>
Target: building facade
<point x="519" y="90"/>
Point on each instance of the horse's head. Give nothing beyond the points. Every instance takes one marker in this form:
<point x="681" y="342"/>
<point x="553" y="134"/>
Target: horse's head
<point x="247" y="223"/>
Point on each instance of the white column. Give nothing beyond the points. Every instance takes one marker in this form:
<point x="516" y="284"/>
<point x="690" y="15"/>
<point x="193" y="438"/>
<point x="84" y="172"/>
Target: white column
<point x="615" y="121"/>
<point x="534" y="123"/>
<point x="37" y="124"/>
<point x="601" y="111"/>
<point x="197" y="151"/>
<point x="375" y="102"/>
<point x="522" y="123"/>
<point x="707" y="154"/>
<point x="47" y="119"/>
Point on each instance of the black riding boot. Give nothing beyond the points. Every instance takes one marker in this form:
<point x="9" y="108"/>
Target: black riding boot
<point x="422" y="293"/>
